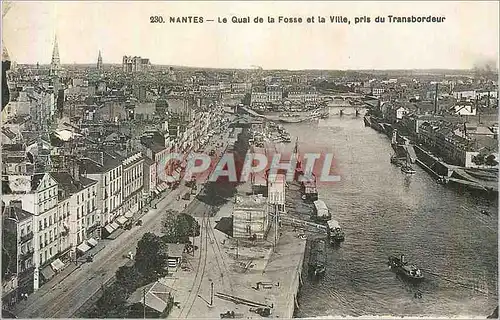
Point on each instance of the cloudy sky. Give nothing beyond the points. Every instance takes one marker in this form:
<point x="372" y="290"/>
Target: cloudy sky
<point x="469" y="35"/>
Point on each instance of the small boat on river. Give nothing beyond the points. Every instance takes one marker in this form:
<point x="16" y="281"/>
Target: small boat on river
<point x="401" y="266"/>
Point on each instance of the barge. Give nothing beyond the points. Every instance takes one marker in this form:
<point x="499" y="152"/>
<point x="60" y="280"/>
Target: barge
<point x="317" y="258"/>
<point x="321" y="213"/>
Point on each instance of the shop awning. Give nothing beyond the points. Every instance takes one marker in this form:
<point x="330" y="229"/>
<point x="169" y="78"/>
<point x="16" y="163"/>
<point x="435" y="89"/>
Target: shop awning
<point x="162" y="186"/>
<point x="47" y="272"/>
<point x="114" y="225"/>
<point x="121" y="220"/>
<point x="109" y="228"/>
<point x="92" y="242"/>
<point x="83" y="247"/>
<point x="57" y="265"/>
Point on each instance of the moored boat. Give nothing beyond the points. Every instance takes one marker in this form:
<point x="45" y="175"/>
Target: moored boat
<point x="321" y="212"/>
<point x="401" y="266"/>
<point x="335" y="232"/>
<point x="317" y="258"/>
<point x="408" y="169"/>
<point x="309" y="190"/>
<point x="396" y="161"/>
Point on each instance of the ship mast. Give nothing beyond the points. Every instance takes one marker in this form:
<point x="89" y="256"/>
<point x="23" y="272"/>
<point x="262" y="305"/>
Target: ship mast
<point x="296" y="154"/>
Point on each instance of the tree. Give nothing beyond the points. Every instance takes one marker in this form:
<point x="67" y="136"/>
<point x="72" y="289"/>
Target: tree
<point x="151" y="257"/>
<point x="491" y="160"/>
<point x="187" y="225"/>
<point x="478" y="159"/>
<point x="179" y="227"/>
<point x="112" y="303"/>
<point x="170" y="227"/>
<point x="9" y="253"/>
<point x="129" y="278"/>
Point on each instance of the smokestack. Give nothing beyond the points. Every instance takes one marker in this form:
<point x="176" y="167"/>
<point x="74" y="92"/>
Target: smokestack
<point x="436" y="99"/>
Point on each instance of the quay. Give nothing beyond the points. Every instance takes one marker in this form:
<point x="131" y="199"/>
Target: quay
<point x="245" y="273"/>
<point x="231" y="273"/>
<point x="474" y="179"/>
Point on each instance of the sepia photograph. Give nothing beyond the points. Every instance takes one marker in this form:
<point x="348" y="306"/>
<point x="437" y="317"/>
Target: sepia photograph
<point x="250" y="159"/>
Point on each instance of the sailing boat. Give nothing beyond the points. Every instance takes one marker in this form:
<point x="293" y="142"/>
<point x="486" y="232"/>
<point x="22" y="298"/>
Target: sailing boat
<point x="407" y="168"/>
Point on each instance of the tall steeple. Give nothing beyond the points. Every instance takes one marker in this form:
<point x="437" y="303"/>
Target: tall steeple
<point x="55" y="64"/>
<point x="99" y="61"/>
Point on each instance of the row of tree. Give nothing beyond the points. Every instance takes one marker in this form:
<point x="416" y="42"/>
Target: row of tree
<point x="481" y="159"/>
<point x="150" y="264"/>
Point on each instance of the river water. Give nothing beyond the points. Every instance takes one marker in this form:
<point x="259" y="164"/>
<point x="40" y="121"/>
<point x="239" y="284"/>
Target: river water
<point x="384" y="212"/>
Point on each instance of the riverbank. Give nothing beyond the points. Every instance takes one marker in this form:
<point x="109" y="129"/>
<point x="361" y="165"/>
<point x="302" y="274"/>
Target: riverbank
<point x="235" y="267"/>
<point x="453" y="175"/>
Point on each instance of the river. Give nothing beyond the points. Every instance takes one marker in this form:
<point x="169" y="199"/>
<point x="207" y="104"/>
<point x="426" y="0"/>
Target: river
<point x="384" y="212"/>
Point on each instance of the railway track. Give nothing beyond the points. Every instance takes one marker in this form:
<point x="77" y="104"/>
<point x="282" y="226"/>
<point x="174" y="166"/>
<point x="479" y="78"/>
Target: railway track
<point x="226" y="282"/>
<point x="200" y="270"/>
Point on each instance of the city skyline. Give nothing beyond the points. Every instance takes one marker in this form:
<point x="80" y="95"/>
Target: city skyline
<point x="30" y="27"/>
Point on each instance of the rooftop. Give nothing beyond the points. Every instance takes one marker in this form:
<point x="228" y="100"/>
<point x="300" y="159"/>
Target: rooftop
<point x="157" y="295"/>
<point x="253" y="201"/>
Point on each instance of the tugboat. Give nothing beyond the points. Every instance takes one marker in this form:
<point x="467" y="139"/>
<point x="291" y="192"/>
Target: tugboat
<point x="317" y="259"/>
<point x="407" y="168"/>
<point x="401" y="266"/>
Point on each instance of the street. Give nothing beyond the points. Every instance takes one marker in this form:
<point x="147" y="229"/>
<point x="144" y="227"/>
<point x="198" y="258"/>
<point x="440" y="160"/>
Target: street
<point x="65" y="298"/>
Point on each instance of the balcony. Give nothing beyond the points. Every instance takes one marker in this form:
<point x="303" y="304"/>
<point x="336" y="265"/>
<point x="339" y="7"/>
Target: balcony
<point x="27" y="254"/>
<point x="27" y="237"/>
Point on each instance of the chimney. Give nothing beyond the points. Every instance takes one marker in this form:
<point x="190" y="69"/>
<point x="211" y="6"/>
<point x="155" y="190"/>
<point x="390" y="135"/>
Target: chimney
<point x="76" y="170"/>
<point x="436" y="99"/>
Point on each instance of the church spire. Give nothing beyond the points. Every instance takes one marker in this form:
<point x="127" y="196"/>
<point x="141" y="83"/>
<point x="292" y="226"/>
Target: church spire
<point x="55" y="64"/>
<point x="99" y="61"/>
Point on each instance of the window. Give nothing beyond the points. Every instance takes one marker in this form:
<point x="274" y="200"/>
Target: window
<point x="41" y="243"/>
<point x="22" y="232"/>
<point x="50" y="251"/>
<point x="44" y="223"/>
<point x="41" y="260"/>
<point x="50" y="220"/>
<point x="28" y="228"/>
<point x="77" y="213"/>
<point x="45" y="253"/>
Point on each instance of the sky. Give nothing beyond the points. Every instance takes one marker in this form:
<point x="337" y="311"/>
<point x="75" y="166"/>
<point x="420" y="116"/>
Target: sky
<point x="469" y="35"/>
